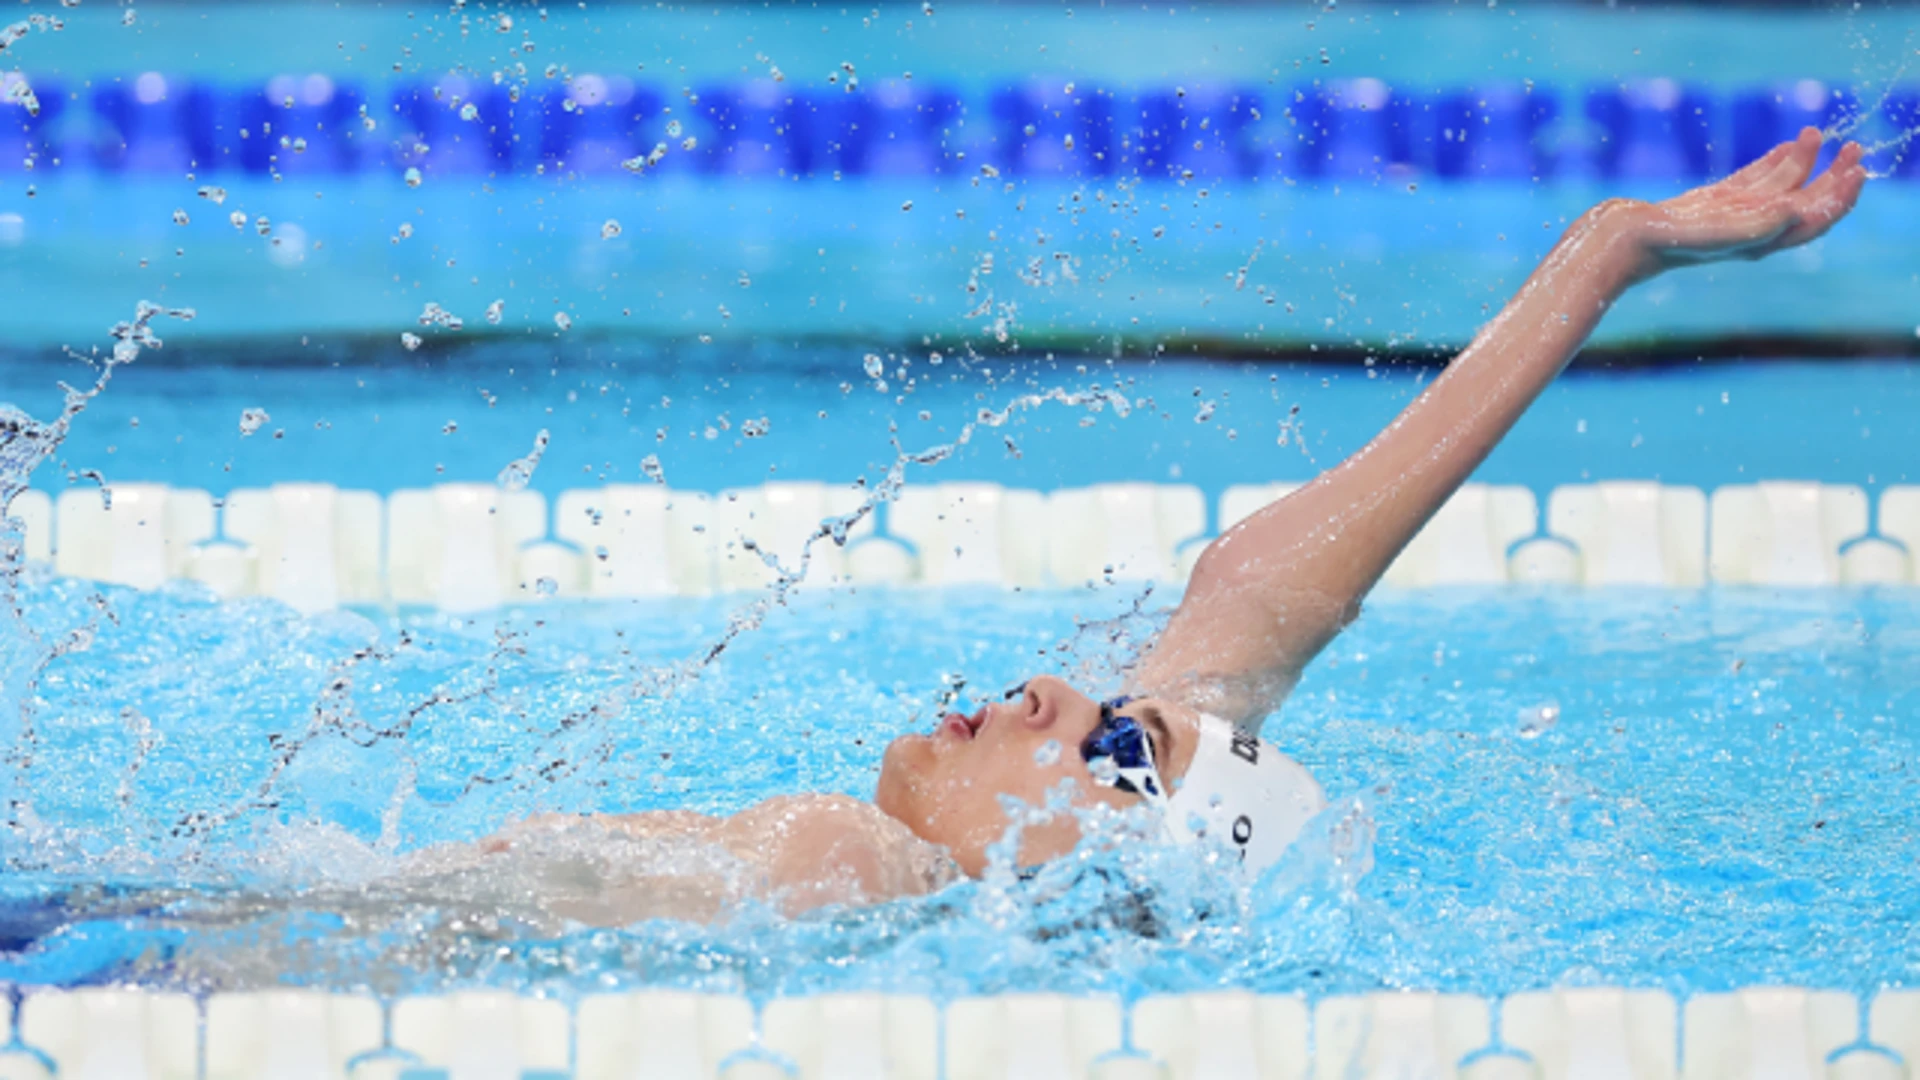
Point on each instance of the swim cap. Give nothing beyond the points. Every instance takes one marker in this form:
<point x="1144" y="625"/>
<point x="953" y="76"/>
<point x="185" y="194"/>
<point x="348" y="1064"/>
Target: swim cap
<point x="1243" y="790"/>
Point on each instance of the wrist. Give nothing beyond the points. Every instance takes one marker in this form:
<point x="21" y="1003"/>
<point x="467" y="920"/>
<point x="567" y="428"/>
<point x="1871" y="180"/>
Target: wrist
<point x="1617" y="231"/>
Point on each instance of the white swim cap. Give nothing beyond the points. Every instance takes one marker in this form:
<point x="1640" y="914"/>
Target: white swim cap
<point x="1242" y="789"/>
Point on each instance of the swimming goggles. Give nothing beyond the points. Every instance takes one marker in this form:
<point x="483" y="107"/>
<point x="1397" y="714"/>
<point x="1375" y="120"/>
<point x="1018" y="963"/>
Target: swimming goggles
<point x="1123" y="741"/>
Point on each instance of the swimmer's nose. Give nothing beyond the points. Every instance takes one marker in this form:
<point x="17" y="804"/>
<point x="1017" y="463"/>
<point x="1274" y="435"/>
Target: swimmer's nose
<point x="1040" y="706"/>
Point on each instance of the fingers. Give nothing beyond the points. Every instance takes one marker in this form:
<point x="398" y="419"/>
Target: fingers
<point x="1755" y="171"/>
<point x="1794" y="166"/>
<point x="1825" y="201"/>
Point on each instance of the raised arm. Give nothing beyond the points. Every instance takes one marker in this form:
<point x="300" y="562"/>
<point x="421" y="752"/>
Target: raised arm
<point x="1272" y="591"/>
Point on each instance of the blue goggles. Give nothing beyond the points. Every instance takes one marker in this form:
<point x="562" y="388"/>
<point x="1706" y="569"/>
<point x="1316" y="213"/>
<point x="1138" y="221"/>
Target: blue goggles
<point x="1123" y="741"/>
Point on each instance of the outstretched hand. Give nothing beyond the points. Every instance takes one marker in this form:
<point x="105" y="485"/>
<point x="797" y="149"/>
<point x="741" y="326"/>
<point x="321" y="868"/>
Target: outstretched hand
<point x="1766" y="207"/>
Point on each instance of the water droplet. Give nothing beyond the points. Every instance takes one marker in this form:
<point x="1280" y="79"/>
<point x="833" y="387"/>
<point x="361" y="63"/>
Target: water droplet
<point x="1538" y="718"/>
<point x="673" y="129"/>
<point x="1104" y="770"/>
<point x="651" y="466"/>
<point x="754" y="429"/>
<point x="908" y="205"/>
<point x="546" y="586"/>
<point x="520" y="470"/>
<point x="504" y="24"/>
<point x="435" y="315"/>
<point x="610" y="230"/>
<point x="1049" y="754"/>
<point x="239" y="219"/>
<point x="180" y="217"/>
<point x="252" y="420"/>
<point x="562" y="320"/>
<point x="496" y="311"/>
<point x="413" y="178"/>
<point x="874" y="366"/>
<point x="411" y="341"/>
<point x="216" y="195"/>
<point x="450" y="427"/>
<point x="471" y="112"/>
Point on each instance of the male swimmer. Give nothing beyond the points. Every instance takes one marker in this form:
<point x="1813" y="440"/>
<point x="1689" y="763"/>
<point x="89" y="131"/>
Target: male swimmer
<point x="1264" y="598"/>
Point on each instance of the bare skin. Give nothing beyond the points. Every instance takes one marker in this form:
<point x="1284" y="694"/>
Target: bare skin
<point x="798" y="851"/>
<point x="1267" y="596"/>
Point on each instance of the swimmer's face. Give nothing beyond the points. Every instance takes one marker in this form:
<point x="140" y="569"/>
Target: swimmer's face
<point x="947" y="786"/>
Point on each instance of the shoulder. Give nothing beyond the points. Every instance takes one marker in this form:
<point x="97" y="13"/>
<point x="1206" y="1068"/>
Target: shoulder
<point x="830" y="849"/>
<point x="801" y="809"/>
<point x="819" y="823"/>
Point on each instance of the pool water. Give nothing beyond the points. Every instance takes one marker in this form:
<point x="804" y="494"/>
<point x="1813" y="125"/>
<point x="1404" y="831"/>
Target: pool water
<point x="381" y="419"/>
<point x="1648" y="788"/>
<point x="1686" y="790"/>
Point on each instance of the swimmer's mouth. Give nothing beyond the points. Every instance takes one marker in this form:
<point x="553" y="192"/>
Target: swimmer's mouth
<point x="964" y="727"/>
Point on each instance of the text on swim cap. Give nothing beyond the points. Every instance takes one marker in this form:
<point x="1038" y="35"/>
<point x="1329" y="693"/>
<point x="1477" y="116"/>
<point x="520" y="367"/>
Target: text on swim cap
<point x="1246" y="747"/>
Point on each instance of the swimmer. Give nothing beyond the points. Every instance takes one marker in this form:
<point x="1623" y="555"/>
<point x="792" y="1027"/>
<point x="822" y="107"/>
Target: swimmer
<point x="1263" y="599"/>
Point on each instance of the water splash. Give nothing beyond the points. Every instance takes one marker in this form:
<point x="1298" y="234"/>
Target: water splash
<point x="519" y="472"/>
<point x="664" y="681"/>
<point x="25" y="443"/>
<point x="435" y="315"/>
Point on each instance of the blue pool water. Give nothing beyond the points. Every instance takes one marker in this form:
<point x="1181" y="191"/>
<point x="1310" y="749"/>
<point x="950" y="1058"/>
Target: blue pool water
<point x="391" y="420"/>
<point x="1722" y="799"/>
<point x="1366" y="177"/>
<point x="1693" y="790"/>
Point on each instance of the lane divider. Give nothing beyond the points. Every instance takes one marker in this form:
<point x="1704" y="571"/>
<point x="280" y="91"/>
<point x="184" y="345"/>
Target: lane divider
<point x="594" y="124"/>
<point x="1785" y="1033"/>
<point x="472" y="547"/>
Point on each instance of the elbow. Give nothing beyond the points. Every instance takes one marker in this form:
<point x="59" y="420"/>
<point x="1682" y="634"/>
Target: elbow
<point x="1221" y="563"/>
